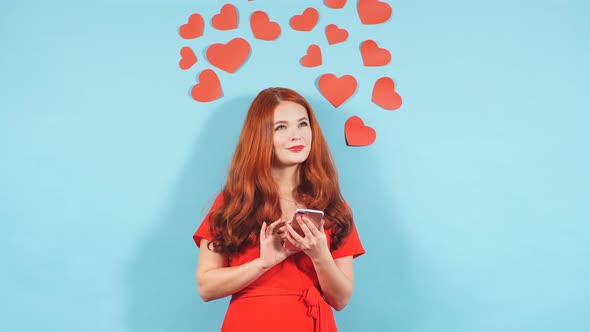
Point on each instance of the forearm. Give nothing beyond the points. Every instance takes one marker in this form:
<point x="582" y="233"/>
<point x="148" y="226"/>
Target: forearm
<point x="336" y="286"/>
<point x="224" y="281"/>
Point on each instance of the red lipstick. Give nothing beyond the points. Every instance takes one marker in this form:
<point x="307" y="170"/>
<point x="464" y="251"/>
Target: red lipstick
<point x="296" y="148"/>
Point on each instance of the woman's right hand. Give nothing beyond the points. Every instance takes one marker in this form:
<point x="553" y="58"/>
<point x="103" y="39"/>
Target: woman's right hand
<point x="272" y="251"/>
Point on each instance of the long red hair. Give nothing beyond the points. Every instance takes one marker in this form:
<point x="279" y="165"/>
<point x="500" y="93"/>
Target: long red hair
<point x="250" y="195"/>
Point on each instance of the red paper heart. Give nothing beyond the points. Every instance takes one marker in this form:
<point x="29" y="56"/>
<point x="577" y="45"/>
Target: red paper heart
<point x="373" y="55"/>
<point x="373" y="11"/>
<point x="384" y="94"/>
<point x="313" y="58"/>
<point x="194" y="27"/>
<point x="208" y="88"/>
<point x="262" y="27"/>
<point x="357" y="134"/>
<point x="337" y="90"/>
<point x="335" y="4"/>
<point x="305" y="21"/>
<point x="335" y="35"/>
<point x="187" y="58"/>
<point x="227" y="19"/>
<point x="229" y="57"/>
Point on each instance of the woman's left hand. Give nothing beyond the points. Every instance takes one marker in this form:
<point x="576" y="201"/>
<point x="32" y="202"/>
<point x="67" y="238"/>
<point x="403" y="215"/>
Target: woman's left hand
<point x="314" y="244"/>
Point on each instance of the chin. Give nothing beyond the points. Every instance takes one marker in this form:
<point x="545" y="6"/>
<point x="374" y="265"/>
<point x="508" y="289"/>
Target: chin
<point x="294" y="162"/>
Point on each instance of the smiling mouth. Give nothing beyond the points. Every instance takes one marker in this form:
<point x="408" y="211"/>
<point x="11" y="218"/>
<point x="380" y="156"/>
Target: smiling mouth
<point x="296" y="148"/>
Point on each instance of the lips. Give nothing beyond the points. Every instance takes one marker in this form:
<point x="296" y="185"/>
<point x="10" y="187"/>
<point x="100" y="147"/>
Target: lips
<point x="296" y="148"/>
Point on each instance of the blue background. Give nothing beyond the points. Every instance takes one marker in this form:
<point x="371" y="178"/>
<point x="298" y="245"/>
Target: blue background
<point x="472" y="203"/>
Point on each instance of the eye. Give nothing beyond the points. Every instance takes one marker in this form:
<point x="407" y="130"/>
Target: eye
<point x="280" y="127"/>
<point x="303" y="124"/>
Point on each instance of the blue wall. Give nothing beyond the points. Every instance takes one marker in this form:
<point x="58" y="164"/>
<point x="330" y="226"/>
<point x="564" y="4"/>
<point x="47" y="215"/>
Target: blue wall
<point x="470" y="203"/>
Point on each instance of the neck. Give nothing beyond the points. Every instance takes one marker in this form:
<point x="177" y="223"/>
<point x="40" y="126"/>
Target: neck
<point x="286" y="178"/>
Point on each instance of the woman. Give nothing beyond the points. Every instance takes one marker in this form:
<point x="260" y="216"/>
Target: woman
<point x="281" y="163"/>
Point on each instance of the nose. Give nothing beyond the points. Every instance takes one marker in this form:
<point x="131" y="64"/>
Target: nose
<point x="294" y="135"/>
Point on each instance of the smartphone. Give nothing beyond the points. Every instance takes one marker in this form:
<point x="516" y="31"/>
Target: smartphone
<point x="314" y="215"/>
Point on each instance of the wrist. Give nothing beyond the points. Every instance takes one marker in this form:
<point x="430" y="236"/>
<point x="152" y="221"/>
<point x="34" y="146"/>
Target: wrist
<point x="324" y="257"/>
<point x="261" y="265"/>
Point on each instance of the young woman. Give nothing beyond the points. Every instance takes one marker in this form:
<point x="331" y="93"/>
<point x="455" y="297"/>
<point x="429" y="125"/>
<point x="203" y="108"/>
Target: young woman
<point x="281" y="163"/>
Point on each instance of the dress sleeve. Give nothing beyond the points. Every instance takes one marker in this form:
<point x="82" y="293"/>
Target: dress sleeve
<point x="203" y="230"/>
<point x="351" y="246"/>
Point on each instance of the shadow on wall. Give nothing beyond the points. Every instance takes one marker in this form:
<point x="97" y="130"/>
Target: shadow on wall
<point x="162" y="293"/>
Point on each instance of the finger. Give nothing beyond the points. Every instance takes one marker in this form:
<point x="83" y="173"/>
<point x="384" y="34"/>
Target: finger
<point x="263" y="231"/>
<point x="273" y="225"/>
<point x="308" y="227"/>
<point x="292" y="233"/>
<point x="321" y="228"/>
<point x="292" y="240"/>
<point x="305" y="226"/>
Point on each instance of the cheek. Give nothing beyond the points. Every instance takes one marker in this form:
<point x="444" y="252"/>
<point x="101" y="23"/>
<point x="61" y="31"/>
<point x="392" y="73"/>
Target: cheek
<point x="308" y="136"/>
<point x="278" y="140"/>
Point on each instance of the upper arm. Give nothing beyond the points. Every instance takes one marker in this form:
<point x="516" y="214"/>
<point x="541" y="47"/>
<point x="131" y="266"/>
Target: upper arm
<point x="346" y="266"/>
<point x="209" y="260"/>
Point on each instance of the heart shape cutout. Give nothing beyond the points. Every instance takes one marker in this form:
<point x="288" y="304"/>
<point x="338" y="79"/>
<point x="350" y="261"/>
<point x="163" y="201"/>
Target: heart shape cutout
<point x="384" y="94"/>
<point x="313" y="58"/>
<point x="373" y="55"/>
<point x="337" y="90"/>
<point x="227" y="19"/>
<point x="335" y="35"/>
<point x="373" y="11"/>
<point x="357" y="134"/>
<point x="187" y="58"/>
<point x="229" y="57"/>
<point x="305" y="21"/>
<point x="194" y="27"/>
<point x="334" y="4"/>
<point x="208" y="88"/>
<point x="262" y="27"/>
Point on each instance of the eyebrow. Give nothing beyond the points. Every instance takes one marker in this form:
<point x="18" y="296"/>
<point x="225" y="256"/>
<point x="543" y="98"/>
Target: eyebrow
<point x="283" y="121"/>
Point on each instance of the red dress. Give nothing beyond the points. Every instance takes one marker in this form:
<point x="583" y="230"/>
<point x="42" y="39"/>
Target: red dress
<point x="287" y="297"/>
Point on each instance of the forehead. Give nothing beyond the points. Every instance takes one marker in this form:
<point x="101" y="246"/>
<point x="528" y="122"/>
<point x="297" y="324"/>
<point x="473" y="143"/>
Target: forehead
<point x="289" y="111"/>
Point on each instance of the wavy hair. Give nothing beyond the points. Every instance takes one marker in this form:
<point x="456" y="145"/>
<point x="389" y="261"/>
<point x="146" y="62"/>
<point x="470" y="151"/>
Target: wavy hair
<point x="251" y="196"/>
